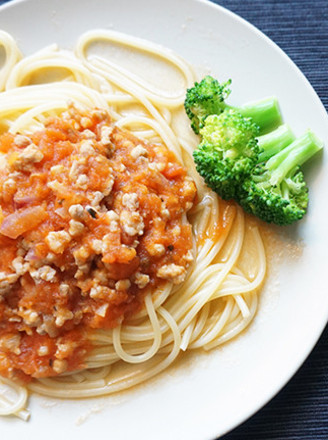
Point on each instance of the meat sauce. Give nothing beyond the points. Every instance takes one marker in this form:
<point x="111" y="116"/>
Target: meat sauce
<point x="91" y="218"/>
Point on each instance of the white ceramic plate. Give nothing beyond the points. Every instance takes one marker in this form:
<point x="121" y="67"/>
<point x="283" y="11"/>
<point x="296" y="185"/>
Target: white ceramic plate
<point x="212" y="395"/>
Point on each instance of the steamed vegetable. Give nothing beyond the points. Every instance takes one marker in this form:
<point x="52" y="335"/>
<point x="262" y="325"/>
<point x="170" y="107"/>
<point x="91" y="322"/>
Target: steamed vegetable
<point x="276" y="191"/>
<point x="227" y="153"/>
<point x="208" y="98"/>
<point x="246" y="155"/>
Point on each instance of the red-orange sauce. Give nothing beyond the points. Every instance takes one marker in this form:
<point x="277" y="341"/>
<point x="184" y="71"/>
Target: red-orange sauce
<point x="221" y="226"/>
<point x="90" y="217"/>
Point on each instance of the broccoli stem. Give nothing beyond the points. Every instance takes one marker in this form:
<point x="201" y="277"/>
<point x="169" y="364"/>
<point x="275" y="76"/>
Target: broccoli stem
<point x="274" y="142"/>
<point x="293" y="156"/>
<point x="265" y="113"/>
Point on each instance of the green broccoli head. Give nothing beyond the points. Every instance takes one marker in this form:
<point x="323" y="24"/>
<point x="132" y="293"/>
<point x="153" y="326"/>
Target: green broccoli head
<point x="231" y="133"/>
<point x="228" y="152"/>
<point x="281" y="204"/>
<point x="262" y="174"/>
<point x="275" y="191"/>
<point x="205" y="98"/>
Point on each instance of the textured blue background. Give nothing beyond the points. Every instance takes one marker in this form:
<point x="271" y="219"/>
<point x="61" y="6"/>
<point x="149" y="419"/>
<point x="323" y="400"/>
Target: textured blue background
<point x="300" y="28"/>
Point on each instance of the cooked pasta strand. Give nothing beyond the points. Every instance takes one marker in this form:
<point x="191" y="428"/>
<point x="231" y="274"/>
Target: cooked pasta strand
<point x="217" y="300"/>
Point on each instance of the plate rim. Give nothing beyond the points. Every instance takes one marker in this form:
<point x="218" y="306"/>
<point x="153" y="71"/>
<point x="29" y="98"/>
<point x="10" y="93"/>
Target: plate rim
<point x="266" y="396"/>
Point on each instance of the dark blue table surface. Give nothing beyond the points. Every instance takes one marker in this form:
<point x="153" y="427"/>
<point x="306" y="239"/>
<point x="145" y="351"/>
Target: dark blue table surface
<point x="300" y="28"/>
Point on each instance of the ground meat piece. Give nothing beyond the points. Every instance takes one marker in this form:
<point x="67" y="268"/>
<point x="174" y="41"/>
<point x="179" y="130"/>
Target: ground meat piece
<point x="82" y="181"/>
<point x="20" y="266"/>
<point x="105" y="133"/>
<point x="6" y="281"/>
<point x="138" y="151"/>
<point x="101" y="311"/>
<point x="57" y="241"/>
<point x="77" y="212"/>
<point x="122" y="284"/>
<point x="141" y="280"/>
<point x="22" y="141"/>
<point x="75" y="228"/>
<point x="97" y="198"/>
<point x="172" y="272"/>
<point x="59" y="366"/>
<point x="29" y="156"/>
<point x="130" y="201"/>
<point x="62" y="315"/>
<point x="156" y="249"/>
<point x="132" y="222"/>
<point x="113" y="220"/>
<point x="43" y="350"/>
<point x="46" y="273"/>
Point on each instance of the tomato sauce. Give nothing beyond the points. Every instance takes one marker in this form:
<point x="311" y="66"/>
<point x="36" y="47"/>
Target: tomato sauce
<point x="91" y="217"/>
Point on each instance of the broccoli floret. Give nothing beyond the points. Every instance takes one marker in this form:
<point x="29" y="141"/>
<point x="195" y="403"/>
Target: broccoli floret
<point x="243" y="156"/>
<point x="228" y="152"/>
<point x="208" y="97"/>
<point x="276" y="191"/>
<point x="205" y="98"/>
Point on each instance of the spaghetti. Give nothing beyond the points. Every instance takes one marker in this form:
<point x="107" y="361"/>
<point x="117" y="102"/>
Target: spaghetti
<point x="217" y="298"/>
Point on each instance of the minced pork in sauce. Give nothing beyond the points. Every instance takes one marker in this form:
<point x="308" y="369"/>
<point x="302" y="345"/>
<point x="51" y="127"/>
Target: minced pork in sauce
<point x="90" y="218"/>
